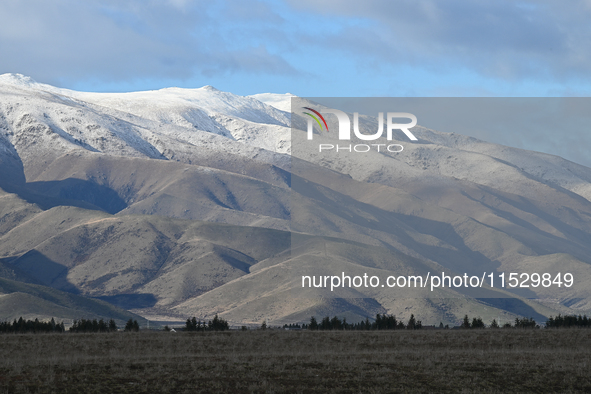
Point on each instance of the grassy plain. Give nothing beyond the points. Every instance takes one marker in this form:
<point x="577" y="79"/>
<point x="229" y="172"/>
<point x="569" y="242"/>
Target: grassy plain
<point x="277" y="361"/>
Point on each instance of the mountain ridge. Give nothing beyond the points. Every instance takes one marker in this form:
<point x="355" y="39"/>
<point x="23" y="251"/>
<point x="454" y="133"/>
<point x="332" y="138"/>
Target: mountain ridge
<point x="102" y="195"/>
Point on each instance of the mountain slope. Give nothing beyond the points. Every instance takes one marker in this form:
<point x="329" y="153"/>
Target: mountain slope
<point x="30" y="301"/>
<point x="183" y="202"/>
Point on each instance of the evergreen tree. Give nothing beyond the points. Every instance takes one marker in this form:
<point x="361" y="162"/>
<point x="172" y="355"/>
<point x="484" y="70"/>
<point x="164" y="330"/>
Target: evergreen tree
<point x="411" y="325"/>
<point x="313" y="324"/>
<point x="378" y="323"/>
<point x="218" y="324"/>
<point x="336" y="324"/>
<point x="567" y="321"/>
<point x="391" y="322"/>
<point x="102" y="326"/>
<point x="477" y="323"/>
<point x="525" y="323"/>
<point x="466" y="322"/>
<point x="131" y="325"/>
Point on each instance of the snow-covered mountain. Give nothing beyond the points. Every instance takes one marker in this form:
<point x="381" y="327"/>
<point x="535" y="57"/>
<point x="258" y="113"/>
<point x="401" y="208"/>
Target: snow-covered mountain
<point x="182" y="202"/>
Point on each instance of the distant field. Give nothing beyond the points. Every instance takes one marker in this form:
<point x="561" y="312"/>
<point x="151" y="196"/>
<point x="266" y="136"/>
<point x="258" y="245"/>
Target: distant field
<point x="278" y="361"/>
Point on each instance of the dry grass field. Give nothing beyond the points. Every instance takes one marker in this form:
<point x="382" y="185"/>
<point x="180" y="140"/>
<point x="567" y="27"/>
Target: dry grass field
<point x="277" y="361"/>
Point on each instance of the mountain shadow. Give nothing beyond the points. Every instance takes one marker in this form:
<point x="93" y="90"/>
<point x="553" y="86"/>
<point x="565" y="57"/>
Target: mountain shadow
<point x="68" y="192"/>
<point x="45" y="270"/>
<point x="86" y="191"/>
<point x="8" y="271"/>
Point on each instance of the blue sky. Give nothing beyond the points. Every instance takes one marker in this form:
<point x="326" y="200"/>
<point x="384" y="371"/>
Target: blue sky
<point x="326" y="48"/>
<point x="308" y="48"/>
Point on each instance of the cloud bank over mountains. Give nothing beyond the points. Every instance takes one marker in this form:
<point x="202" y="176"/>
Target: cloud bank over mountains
<point x="331" y="48"/>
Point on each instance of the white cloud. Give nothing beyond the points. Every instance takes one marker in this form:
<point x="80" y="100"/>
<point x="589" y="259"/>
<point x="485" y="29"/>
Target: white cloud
<point x="497" y="38"/>
<point x="304" y="44"/>
<point x="66" y="40"/>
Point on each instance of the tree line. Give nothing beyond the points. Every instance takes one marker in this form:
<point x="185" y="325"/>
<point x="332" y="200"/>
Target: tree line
<point x="568" y="321"/>
<point x="477" y="323"/>
<point x="22" y="326"/>
<point x="381" y="322"/>
<point x="389" y="322"/>
<point x="217" y="324"/>
<point x="84" y="325"/>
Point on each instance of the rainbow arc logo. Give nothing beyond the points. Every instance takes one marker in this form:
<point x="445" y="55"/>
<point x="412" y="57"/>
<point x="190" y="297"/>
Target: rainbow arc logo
<point x="315" y="118"/>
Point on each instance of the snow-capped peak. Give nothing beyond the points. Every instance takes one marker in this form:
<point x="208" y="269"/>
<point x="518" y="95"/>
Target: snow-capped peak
<point x="17" y="79"/>
<point x="210" y="88"/>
